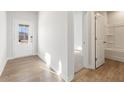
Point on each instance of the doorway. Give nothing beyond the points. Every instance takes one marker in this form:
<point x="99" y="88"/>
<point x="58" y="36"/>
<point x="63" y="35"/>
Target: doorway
<point x="81" y="39"/>
<point x="99" y="40"/>
<point x="23" y="41"/>
<point x="22" y="32"/>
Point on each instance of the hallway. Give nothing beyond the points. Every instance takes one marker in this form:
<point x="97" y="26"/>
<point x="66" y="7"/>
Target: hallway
<point x="68" y="42"/>
<point x="28" y="69"/>
<point x="111" y="71"/>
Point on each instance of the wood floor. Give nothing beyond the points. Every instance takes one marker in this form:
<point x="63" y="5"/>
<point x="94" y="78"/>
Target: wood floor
<point x="28" y="69"/>
<point x="33" y="69"/>
<point x="111" y="71"/>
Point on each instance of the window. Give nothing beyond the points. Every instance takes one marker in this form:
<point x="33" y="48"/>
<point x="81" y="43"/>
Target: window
<point x="23" y="34"/>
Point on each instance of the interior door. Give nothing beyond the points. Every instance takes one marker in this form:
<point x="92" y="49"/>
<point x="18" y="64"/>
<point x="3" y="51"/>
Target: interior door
<point x="23" y="38"/>
<point x="99" y="22"/>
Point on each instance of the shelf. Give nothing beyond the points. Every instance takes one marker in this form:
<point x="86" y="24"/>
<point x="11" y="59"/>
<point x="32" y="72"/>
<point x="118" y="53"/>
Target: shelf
<point x="109" y="42"/>
<point x="116" y="25"/>
<point x="109" y="35"/>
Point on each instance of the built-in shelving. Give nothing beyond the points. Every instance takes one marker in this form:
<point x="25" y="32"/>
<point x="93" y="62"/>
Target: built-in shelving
<point x="110" y="42"/>
<point x="109" y="36"/>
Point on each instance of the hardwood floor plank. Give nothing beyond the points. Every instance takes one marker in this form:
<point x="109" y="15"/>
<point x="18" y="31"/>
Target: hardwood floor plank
<point x="28" y="69"/>
<point x="33" y="69"/>
<point x="111" y="71"/>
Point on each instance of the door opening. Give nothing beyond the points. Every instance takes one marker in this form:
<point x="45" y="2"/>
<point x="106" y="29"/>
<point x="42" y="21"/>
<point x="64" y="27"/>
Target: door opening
<point x="23" y="41"/>
<point x="99" y="40"/>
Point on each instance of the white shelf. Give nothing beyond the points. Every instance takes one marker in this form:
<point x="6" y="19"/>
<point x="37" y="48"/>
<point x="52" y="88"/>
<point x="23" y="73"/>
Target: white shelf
<point x="116" y="25"/>
<point x="109" y="35"/>
<point x="109" y="42"/>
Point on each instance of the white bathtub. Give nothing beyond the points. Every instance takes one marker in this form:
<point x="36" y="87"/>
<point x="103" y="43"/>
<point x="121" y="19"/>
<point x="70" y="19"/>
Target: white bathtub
<point x="78" y="60"/>
<point x="115" y="54"/>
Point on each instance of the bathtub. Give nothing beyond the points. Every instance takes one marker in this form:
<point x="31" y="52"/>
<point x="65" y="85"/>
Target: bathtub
<point x="115" y="54"/>
<point x="78" y="65"/>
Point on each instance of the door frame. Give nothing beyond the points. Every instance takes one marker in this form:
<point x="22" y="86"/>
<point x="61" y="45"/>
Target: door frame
<point x="88" y="40"/>
<point x="90" y="63"/>
<point x="91" y="40"/>
<point x="95" y="17"/>
<point x="85" y="39"/>
<point x="95" y="41"/>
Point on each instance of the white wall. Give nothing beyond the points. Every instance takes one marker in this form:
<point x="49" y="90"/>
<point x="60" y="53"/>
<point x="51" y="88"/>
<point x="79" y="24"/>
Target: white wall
<point x="89" y="40"/>
<point x="78" y="20"/>
<point x="11" y="17"/>
<point x="78" y="29"/>
<point x="53" y="40"/>
<point x="114" y="49"/>
<point x="116" y="18"/>
<point x="84" y="31"/>
<point x="70" y="47"/>
<point x="3" y="42"/>
<point x="116" y="21"/>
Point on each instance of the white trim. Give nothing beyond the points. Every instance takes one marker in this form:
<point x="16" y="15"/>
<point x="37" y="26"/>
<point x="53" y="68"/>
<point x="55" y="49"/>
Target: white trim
<point x="92" y="35"/>
<point x="90" y="41"/>
<point x="11" y="18"/>
<point x="115" y="25"/>
<point x="85" y="37"/>
<point x="41" y="57"/>
<point x="10" y="58"/>
<point x="121" y="59"/>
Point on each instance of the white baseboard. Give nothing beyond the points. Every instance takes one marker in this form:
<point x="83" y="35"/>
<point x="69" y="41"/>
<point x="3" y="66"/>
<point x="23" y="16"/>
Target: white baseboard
<point x="90" y="66"/>
<point x="116" y="58"/>
<point x="35" y="53"/>
<point x="10" y="58"/>
<point x="41" y="57"/>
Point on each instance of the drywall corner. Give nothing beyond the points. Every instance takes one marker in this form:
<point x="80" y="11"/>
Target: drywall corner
<point x="2" y="66"/>
<point x="3" y="40"/>
<point x="67" y="79"/>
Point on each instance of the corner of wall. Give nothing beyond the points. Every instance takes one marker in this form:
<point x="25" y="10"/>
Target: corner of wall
<point x="64" y="77"/>
<point x="67" y="79"/>
<point x="2" y="66"/>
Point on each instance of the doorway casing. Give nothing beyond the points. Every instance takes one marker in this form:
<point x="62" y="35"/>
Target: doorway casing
<point x="11" y="18"/>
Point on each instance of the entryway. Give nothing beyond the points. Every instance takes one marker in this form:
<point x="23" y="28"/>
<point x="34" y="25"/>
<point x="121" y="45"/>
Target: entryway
<point x="23" y="42"/>
<point x="22" y="34"/>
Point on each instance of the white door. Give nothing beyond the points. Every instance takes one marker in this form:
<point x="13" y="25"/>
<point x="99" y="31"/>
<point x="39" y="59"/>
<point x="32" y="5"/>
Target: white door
<point x="23" y="43"/>
<point x="99" y="40"/>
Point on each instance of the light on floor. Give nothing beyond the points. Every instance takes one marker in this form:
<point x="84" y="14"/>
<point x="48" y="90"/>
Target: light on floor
<point x="48" y="59"/>
<point x="60" y="68"/>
